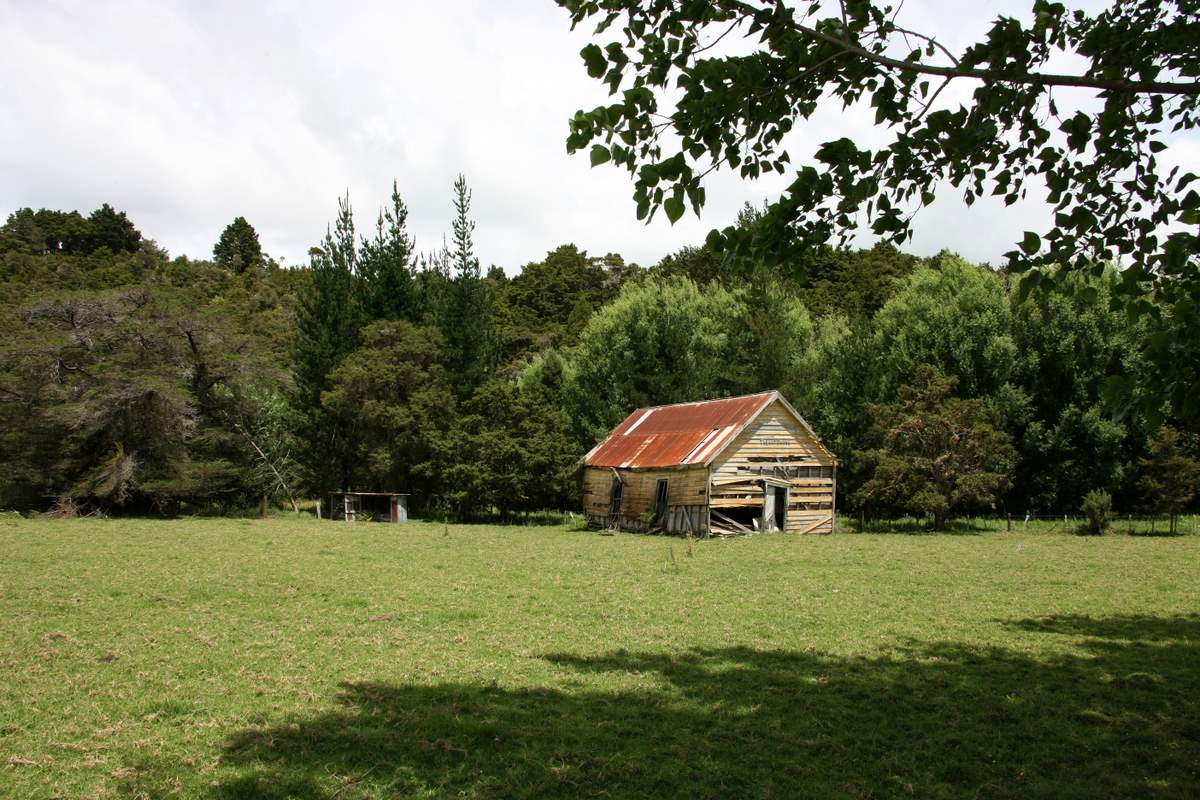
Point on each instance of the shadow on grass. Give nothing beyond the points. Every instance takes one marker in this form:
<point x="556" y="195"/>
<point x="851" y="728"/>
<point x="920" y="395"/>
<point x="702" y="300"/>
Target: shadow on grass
<point x="1120" y="717"/>
<point x="1133" y="628"/>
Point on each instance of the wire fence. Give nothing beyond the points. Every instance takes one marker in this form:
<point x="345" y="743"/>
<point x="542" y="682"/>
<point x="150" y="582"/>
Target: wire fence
<point x="1128" y="523"/>
<point x="1132" y="524"/>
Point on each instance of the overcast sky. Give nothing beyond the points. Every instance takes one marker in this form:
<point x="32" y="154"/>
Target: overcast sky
<point x="186" y="115"/>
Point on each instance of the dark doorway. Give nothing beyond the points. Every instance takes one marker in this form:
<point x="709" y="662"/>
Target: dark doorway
<point x="614" y="506"/>
<point x="781" y="500"/>
<point x="660" y="501"/>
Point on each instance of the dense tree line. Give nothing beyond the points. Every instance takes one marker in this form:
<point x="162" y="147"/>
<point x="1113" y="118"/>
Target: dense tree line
<point x="132" y="381"/>
<point x="129" y="380"/>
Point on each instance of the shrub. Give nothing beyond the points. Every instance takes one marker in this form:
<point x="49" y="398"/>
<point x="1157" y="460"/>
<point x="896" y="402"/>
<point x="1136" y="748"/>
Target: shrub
<point x="649" y="520"/>
<point x="1097" y="505"/>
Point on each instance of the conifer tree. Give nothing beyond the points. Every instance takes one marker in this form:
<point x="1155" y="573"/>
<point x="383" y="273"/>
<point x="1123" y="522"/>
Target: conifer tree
<point x="386" y="265"/>
<point x="466" y="322"/>
<point x="581" y="312"/>
<point x="434" y="285"/>
<point x="238" y="249"/>
<point x="327" y="324"/>
<point x="1169" y="477"/>
<point x="937" y="454"/>
<point x="113" y="229"/>
<point x="466" y="265"/>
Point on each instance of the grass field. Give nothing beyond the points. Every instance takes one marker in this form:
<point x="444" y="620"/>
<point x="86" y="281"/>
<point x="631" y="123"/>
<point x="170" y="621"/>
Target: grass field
<point x="277" y="658"/>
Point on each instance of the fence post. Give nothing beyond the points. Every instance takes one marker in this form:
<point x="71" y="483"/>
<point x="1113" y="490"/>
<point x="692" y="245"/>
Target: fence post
<point x="1009" y="520"/>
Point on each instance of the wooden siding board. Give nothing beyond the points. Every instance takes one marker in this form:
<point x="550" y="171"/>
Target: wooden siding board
<point x="776" y="438"/>
<point x="685" y="487"/>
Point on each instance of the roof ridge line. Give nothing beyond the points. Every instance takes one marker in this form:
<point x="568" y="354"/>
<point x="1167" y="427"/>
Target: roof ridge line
<point x="701" y="402"/>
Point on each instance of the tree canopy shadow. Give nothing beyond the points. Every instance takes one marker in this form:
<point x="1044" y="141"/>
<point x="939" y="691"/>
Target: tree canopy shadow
<point x="1121" y="718"/>
<point x="1131" y="627"/>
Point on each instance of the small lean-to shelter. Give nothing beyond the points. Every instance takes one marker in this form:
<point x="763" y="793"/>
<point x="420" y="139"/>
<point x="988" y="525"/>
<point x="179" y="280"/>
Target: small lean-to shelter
<point x="353" y="506"/>
<point x="717" y="467"/>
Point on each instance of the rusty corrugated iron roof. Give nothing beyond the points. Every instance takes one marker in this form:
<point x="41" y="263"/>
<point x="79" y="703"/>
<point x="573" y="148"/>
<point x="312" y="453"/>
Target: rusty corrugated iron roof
<point x="678" y="435"/>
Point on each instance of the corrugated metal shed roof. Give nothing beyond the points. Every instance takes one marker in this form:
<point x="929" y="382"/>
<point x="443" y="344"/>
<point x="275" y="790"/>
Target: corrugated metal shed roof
<point x="678" y="435"/>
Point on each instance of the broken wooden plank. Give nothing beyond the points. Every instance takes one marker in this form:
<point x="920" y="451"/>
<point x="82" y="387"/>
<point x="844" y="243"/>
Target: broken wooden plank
<point x="729" y="521"/>
<point x="817" y="524"/>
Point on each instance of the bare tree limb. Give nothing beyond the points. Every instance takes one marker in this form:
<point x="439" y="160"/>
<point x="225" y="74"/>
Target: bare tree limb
<point x="270" y="465"/>
<point x="1032" y="79"/>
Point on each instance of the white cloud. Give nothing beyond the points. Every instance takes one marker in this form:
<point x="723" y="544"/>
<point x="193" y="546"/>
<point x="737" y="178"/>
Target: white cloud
<point x="188" y="114"/>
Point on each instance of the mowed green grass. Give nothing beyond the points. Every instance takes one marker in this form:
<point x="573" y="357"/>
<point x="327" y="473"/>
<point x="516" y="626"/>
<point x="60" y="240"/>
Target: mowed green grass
<point x="292" y="658"/>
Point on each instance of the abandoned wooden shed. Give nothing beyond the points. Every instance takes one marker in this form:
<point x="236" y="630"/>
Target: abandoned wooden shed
<point x="354" y="506"/>
<point x="717" y="467"/>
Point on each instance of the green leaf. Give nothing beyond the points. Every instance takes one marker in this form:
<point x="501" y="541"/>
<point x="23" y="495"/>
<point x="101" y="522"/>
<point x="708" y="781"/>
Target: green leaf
<point x="715" y="241"/>
<point x="674" y="208"/>
<point x="1028" y="283"/>
<point x="1115" y="390"/>
<point x="1031" y="243"/>
<point x="648" y="174"/>
<point x="1079" y="131"/>
<point x="599" y="154"/>
<point x="593" y="57"/>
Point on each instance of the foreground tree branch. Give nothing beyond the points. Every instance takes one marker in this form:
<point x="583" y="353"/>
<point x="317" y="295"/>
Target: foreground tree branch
<point x="1031" y="79"/>
<point x="1097" y="162"/>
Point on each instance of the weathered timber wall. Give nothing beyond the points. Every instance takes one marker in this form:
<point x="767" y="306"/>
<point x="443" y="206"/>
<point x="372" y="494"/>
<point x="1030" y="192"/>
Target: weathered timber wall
<point x="691" y="519"/>
<point x="685" y="487"/>
<point x="777" y="446"/>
